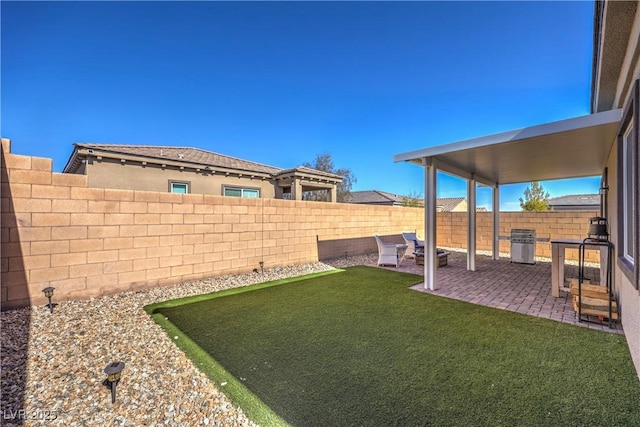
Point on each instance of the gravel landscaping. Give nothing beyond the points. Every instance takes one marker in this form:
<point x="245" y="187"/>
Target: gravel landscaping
<point x="52" y="364"/>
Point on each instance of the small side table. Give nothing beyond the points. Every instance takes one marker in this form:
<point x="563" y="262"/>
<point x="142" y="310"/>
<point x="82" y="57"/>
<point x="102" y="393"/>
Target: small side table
<point x="442" y="257"/>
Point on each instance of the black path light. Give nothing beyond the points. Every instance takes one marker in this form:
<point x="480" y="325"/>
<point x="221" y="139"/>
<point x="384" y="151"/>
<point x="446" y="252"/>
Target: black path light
<point x="48" y="292"/>
<point x="113" y="371"/>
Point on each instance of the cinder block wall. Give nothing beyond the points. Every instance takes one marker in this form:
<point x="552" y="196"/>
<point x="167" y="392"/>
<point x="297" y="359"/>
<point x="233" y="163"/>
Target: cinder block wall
<point x="89" y="241"/>
<point x="452" y="229"/>
<point x="56" y="231"/>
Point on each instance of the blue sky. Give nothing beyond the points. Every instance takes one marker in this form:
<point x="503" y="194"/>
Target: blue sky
<point x="278" y="83"/>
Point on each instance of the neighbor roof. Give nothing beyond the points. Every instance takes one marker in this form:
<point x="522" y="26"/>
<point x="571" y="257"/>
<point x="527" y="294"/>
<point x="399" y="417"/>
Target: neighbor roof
<point x="195" y="157"/>
<point x="447" y="204"/>
<point x="575" y="200"/>
<point x="182" y="154"/>
<point x="377" y="197"/>
<point x="374" y="197"/>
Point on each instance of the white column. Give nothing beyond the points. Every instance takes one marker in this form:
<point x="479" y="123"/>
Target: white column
<point x="496" y="222"/>
<point x="430" y="250"/>
<point x="471" y="224"/>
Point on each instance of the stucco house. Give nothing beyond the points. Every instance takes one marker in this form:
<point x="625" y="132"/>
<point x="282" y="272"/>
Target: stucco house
<point x="603" y="143"/>
<point x="575" y="202"/>
<point x="192" y="170"/>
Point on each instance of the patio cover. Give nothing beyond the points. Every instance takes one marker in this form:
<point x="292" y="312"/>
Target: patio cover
<point x="571" y="148"/>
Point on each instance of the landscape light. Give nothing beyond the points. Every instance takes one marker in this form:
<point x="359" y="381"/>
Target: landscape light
<point x="113" y="371"/>
<point x="48" y="292"/>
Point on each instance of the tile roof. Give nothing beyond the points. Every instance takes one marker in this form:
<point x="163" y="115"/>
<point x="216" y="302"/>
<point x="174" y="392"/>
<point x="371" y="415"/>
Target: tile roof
<point x="184" y="154"/>
<point x="576" y="200"/>
<point x="447" y="204"/>
<point x="374" y="197"/>
<point x="381" y="197"/>
<point x="306" y="171"/>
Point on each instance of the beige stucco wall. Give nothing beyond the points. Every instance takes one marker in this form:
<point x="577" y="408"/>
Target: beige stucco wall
<point x="133" y="176"/>
<point x="629" y="296"/>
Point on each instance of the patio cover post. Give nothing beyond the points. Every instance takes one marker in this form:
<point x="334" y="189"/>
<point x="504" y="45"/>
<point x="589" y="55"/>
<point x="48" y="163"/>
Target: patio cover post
<point x="471" y="224"/>
<point x="496" y="222"/>
<point x="333" y="194"/>
<point x="430" y="251"/>
<point x="296" y="189"/>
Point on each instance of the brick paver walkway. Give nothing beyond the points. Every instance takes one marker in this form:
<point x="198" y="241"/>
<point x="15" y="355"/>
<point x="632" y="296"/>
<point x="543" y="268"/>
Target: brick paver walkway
<point x="500" y="284"/>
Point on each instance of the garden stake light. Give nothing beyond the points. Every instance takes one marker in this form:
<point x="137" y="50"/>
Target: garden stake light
<point x="48" y="292"/>
<point x="113" y="371"/>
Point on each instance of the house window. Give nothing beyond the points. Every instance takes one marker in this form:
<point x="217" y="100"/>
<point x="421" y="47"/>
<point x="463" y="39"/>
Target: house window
<point x="628" y="195"/>
<point x="251" y="193"/>
<point x="178" y="187"/>
<point x="628" y="179"/>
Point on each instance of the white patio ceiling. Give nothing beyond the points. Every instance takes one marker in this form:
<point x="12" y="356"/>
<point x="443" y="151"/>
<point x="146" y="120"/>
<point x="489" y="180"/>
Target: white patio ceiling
<point x="571" y="148"/>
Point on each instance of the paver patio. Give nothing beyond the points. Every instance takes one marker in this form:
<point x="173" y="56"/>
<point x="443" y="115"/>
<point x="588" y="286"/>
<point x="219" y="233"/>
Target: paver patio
<point x="509" y="286"/>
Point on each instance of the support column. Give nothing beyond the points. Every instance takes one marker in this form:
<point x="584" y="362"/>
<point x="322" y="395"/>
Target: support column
<point x="496" y="222"/>
<point x="296" y="189"/>
<point x="471" y="224"/>
<point x="333" y="194"/>
<point x="430" y="250"/>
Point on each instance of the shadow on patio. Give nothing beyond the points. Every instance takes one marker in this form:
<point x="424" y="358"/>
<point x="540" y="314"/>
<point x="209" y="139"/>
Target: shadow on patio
<point x="504" y="285"/>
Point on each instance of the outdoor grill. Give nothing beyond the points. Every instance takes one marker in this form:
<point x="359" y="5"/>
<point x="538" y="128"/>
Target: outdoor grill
<point x="523" y="245"/>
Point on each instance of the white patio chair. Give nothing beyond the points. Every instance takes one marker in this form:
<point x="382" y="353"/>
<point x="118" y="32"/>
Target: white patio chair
<point x="411" y="239"/>
<point x="388" y="253"/>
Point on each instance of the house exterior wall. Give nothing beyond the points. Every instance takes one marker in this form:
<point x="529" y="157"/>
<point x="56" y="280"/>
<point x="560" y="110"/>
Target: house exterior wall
<point x="628" y="295"/>
<point x="110" y="173"/>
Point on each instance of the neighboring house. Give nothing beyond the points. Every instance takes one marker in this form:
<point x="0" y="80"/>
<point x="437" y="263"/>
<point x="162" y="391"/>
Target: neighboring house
<point x="605" y="142"/>
<point x="575" y="202"/>
<point x="377" y="197"/>
<point x="451" y="204"/>
<point x="192" y="170"/>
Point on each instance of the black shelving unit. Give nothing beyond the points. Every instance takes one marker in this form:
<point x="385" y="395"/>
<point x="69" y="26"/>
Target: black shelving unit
<point x="610" y="313"/>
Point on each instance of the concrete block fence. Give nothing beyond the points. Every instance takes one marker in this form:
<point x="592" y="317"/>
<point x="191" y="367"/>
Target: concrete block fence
<point x="85" y="242"/>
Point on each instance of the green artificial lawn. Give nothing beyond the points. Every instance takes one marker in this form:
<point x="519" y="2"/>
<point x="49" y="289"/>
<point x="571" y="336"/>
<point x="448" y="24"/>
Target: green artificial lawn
<point x="358" y="348"/>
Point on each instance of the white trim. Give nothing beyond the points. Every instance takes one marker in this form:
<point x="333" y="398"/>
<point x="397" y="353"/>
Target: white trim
<point x="496" y="222"/>
<point x="628" y="189"/>
<point x="471" y="225"/>
<point x="430" y="250"/>
<point x="179" y="183"/>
